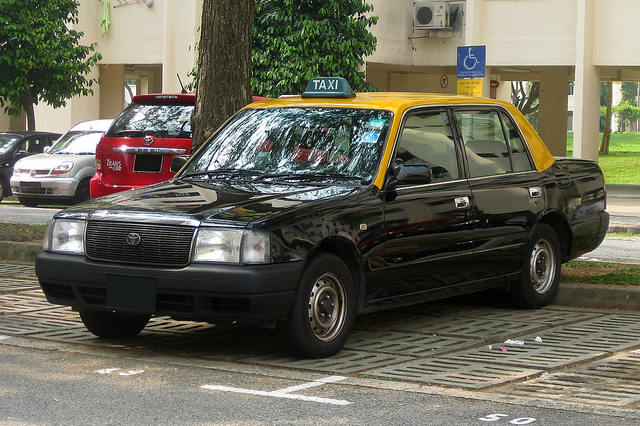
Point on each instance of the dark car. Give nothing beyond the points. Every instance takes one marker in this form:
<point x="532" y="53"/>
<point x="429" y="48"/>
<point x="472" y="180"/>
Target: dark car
<point x="300" y="213"/>
<point x="15" y="145"/>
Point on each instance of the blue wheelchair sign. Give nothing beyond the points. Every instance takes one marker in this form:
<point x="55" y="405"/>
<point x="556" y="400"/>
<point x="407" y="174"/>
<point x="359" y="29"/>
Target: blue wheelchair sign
<point x="471" y="61"/>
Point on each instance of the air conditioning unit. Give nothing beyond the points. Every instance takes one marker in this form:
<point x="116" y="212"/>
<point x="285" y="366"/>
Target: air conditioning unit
<point x="430" y="15"/>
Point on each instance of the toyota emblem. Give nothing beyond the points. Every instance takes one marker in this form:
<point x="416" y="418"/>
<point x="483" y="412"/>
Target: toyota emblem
<point x="147" y="140"/>
<point x="133" y="239"/>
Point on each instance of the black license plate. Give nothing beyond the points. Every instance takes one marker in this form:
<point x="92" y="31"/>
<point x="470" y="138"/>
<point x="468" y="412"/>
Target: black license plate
<point x="30" y="185"/>
<point x="148" y="163"/>
<point x="135" y="293"/>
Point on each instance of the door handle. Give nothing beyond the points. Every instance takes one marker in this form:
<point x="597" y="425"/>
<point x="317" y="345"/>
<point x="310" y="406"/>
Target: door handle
<point x="462" y="202"/>
<point x="535" y="191"/>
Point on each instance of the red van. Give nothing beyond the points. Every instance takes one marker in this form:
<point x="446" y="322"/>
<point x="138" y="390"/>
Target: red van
<point x="138" y="147"/>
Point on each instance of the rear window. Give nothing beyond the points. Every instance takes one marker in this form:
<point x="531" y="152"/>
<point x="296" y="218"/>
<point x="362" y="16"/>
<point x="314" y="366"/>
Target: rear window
<point x="161" y="121"/>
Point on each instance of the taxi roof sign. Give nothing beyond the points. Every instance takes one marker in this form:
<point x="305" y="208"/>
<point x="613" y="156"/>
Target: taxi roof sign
<point x="328" y="87"/>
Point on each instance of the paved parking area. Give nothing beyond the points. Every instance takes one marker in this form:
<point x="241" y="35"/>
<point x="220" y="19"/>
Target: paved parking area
<point x="582" y="356"/>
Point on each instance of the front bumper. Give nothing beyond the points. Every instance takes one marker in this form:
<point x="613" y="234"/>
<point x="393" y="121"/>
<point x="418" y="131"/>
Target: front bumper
<point x="256" y="294"/>
<point x="49" y="187"/>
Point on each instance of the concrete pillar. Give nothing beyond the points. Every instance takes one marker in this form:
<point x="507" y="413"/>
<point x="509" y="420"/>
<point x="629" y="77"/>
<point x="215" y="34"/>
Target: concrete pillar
<point x="587" y="88"/>
<point x="111" y="90"/>
<point x="552" y="126"/>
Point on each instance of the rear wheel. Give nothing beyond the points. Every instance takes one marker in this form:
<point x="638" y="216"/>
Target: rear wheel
<point x="540" y="274"/>
<point x="109" y="324"/>
<point x="323" y="310"/>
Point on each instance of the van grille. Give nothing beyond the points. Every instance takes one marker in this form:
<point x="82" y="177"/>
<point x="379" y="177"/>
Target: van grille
<point x="165" y="245"/>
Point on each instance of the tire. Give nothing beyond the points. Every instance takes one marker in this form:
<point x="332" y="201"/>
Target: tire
<point x="323" y="310"/>
<point x="28" y="202"/>
<point x="3" y="189"/>
<point x="540" y="276"/>
<point x="82" y="192"/>
<point x="109" y="324"/>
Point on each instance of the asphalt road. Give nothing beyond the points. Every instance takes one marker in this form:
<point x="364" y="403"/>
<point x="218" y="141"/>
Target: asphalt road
<point x="54" y="386"/>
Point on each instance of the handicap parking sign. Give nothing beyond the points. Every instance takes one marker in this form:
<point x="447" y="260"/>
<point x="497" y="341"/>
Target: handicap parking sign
<point x="471" y="61"/>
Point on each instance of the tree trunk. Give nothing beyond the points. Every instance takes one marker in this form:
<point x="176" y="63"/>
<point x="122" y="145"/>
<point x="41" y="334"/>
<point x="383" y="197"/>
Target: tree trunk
<point x="606" y="134"/>
<point x="28" y="109"/>
<point x="224" y="72"/>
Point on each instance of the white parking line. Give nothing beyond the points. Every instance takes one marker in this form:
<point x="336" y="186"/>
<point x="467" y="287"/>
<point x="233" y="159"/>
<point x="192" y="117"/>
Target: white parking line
<point x="286" y="392"/>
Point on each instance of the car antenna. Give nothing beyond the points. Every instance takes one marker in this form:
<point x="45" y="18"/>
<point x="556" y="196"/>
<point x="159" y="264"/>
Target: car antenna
<point x="181" y="85"/>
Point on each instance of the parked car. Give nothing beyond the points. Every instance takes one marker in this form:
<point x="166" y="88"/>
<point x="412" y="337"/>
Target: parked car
<point x="300" y="213"/>
<point x="61" y="174"/>
<point x="15" y="145"/>
<point x="138" y="148"/>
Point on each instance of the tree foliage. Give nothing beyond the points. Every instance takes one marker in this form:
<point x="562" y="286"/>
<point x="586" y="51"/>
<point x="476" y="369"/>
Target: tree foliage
<point x="41" y="57"/>
<point x="294" y="41"/>
<point x="626" y="113"/>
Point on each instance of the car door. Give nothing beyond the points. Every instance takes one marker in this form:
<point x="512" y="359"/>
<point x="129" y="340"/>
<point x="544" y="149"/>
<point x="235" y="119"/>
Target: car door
<point x="428" y="230"/>
<point x="507" y="190"/>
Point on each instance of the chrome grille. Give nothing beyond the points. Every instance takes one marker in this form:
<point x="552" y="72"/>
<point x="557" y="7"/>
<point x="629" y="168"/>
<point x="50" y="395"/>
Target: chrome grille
<point x="164" y="245"/>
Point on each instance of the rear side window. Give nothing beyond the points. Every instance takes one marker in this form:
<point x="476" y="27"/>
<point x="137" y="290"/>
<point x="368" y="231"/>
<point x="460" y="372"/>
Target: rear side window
<point x="160" y="120"/>
<point x="492" y="143"/>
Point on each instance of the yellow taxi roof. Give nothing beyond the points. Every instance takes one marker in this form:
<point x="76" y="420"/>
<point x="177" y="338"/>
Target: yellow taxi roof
<point x="398" y="102"/>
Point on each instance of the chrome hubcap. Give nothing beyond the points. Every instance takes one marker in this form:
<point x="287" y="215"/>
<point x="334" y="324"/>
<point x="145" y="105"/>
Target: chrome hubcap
<point x="327" y="307"/>
<point x="542" y="266"/>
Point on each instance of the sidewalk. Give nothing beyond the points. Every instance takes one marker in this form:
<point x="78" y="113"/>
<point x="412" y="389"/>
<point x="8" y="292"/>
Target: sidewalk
<point x="623" y="204"/>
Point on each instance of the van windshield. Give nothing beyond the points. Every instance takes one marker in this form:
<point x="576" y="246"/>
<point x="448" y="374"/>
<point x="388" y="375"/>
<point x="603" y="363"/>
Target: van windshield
<point x="296" y="143"/>
<point x="159" y="120"/>
<point x="77" y="143"/>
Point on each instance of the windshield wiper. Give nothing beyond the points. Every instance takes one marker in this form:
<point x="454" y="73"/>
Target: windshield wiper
<point x="218" y="172"/>
<point x="307" y="176"/>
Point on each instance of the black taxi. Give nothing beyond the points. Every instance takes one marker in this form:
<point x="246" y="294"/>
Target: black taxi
<point x="300" y="213"/>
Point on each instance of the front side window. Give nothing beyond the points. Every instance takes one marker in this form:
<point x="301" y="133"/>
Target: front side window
<point x="290" y="143"/>
<point x="492" y="143"/>
<point x="427" y="135"/>
<point x="161" y="121"/>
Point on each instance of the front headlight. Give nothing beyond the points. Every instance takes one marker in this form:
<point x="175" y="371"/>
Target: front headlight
<point x="232" y="246"/>
<point x="62" y="168"/>
<point x="65" y="236"/>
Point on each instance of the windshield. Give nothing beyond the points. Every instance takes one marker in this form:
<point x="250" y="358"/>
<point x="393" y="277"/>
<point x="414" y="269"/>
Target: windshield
<point x="6" y="142"/>
<point x="162" y="121"/>
<point x="77" y="142"/>
<point x="279" y="143"/>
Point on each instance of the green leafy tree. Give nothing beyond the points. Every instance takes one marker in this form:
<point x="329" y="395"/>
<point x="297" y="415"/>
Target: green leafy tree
<point x="294" y="41"/>
<point x="626" y="113"/>
<point x="41" y="58"/>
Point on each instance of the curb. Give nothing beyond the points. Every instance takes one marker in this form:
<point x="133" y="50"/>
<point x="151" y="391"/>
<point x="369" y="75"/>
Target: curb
<point x="22" y="252"/>
<point x="598" y="296"/>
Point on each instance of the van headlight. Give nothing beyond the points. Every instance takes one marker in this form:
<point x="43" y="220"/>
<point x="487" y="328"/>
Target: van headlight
<point x="232" y="246"/>
<point x="65" y="236"/>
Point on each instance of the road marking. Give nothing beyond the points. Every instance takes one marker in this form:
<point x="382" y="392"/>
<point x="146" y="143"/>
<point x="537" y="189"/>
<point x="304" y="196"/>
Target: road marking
<point x="287" y="392"/>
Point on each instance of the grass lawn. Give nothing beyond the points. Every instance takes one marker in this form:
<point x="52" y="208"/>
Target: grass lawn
<point x="622" y="165"/>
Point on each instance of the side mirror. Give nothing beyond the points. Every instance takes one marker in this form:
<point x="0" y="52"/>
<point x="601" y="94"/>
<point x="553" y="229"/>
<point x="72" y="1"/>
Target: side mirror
<point x="177" y="162"/>
<point x="414" y="171"/>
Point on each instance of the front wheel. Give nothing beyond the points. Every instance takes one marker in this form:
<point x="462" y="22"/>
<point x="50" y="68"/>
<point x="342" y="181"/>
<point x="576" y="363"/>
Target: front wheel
<point x="323" y="310"/>
<point x="540" y="276"/>
<point x="115" y="325"/>
<point x="82" y="192"/>
<point x="28" y="202"/>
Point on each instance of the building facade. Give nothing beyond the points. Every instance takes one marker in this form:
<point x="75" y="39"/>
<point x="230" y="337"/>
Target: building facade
<point x="150" y="42"/>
